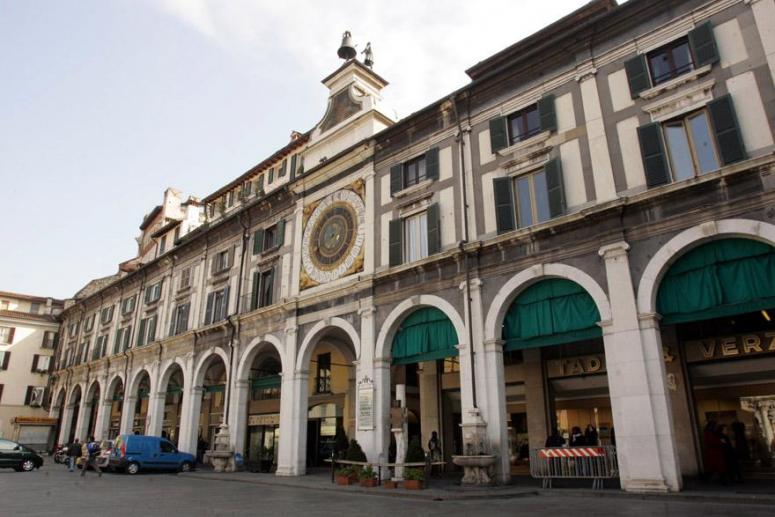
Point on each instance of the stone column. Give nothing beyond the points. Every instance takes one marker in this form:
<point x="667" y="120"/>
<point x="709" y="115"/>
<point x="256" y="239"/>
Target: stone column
<point x="382" y="396"/>
<point x="127" y="414"/>
<point x="648" y="461"/>
<point x="239" y="415"/>
<point x="369" y="438"/>
<point x="155" y="416"/>
<point x="189" y="417"/>
<point x="67" y="418"/>
<point x="493" y="407"/>
<point x="764" y="15"/>
<point x="102" y="426"/>
<point x="430" y="412"/>
<point x="538" y="421"/>
<point x="81" y="425"/>
<point x="292" y="460"/>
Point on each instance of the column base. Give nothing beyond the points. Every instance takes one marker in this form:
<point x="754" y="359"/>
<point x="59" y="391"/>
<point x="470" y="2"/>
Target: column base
<point x="645" y="486"/>
<point x="288" y="471"/>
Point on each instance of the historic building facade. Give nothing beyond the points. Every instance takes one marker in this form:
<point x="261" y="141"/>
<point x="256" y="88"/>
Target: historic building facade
<point x="582" y="236"/>
<point x="29" y="327"/>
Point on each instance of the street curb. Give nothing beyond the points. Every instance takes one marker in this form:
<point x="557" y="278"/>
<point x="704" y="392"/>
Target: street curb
<point x="506" y="494"/>
<point x="384" y="492"/>
<point x="678" y="497"/>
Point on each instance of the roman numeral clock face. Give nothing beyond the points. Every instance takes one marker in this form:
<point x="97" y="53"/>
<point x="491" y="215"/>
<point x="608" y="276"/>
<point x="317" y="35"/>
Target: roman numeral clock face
<point x="332" y="243"/>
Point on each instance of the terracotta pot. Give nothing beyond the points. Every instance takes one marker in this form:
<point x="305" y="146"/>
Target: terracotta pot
<point x="369" y="483"/>
<point x="413" y="484"/>
<point x="354" y="479"/>
<point x="342" y="480"/>
<point x="390" y="484"/>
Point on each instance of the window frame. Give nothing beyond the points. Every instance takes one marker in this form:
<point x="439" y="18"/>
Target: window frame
<point x="185" y="273"/>
<point x="323" y="382"/>
<point x="35" y="307"/>
<point x="668" y="49"/>
<point x="109" y="311"/>
<point x="533" y="193"/>
<point x="420" y="164"/>
<point x="176" y="319"/>
<point x="155" y="290"/>
<point x="684" y="120"/>
<point x="222" y="261"/>
<point x="523" y="113"/>
<point x="8" y="338"/>
<point x="422" y="224"/>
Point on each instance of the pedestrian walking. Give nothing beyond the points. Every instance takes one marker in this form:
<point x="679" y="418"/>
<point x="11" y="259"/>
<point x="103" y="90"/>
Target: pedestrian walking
<point x="73" y="451"/>
<point x="90" y="451"/>
<point x="714" y="453"/>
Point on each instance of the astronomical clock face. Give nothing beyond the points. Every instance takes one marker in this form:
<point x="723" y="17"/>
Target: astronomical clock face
<point x="332" y="243"/>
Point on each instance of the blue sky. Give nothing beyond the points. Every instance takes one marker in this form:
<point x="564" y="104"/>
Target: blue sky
<point x="105" y="103"/>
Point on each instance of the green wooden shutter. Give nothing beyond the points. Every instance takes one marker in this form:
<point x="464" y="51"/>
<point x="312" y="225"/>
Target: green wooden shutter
<point x="726" y="129"/>
<point x="504" y="204"/>
<point x="258" y="241"/>
<point x="637" y="75"/>
<point x="225" y="303"/>
<point x="555" y="187"/>
<point x="280" y="232"/>
<point x="151" y="330"/>
<point x="499" y="137"/>
<point x="254" y="292"/>
<point x="283" y="166"/>
<point x="396" y="242"/>
<point x="432" y="164"/>
<point x="28" y="395"/>
<point x="34" y="367"/>
<point x="293" y="167"/>
<point x="396" y="178"/>
<point x="270" y="175"/>
<point x="209" y="309"/>
<point x="547" y="113"/>
<point x="652" y="150"/>
<point x="703" y="45"/>
<point x="433" y="219"/>
<point x="141" y="333"/>
<point x="260" y="184"/>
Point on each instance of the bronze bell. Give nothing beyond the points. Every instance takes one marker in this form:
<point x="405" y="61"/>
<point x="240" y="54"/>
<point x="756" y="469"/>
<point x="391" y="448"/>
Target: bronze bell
<point x="347" y="50"/>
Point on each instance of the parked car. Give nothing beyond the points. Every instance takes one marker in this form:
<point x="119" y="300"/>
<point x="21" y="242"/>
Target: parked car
<point x="18" y="457"/>
<point x="133" y="453"/>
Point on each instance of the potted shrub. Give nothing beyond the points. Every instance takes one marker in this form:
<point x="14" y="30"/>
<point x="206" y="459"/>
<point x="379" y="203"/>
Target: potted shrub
<point x="340" y="443"/>
<point x="368" y="477"/>
<point x="343" y="476"/>
<point x="389" y="483"/>
<point x="355" y="453"/>
<point x="413" y="478"/>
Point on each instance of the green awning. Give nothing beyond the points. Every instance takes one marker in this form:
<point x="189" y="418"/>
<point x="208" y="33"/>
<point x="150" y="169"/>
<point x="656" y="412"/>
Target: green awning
<point x="269" y="381"/>
<point x="425" y="335"/>
<point x="218" y="388"/>
<point x="720" y="278"/>
<point x="551" y="312"/>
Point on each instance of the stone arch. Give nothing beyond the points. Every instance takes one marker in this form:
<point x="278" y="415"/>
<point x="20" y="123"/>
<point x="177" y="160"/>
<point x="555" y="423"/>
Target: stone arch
<point x="255" y="347"/>
<point x="403" y="309"/>
<point x="90" y="390"/>
<point x="80" y="389"/>
<point x="204" y="363"/>
<point x="113" y="384"/>
<point x="59" y="400"/>
<point x="134" y="383"/>
<point x="519" y="282"/>
<point x="317" y="332"/>
<point x="689" y="239"/>
<point x="168" y="370"/>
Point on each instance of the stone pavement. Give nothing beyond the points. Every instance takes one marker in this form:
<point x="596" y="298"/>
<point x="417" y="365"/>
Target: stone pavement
<point x="449" y="490"/>
<point x="52" y="491"/>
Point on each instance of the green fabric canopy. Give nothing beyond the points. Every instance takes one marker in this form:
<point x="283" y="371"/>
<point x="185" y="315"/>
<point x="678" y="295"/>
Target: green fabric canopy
<point x="268" y="381"/>
<point x="551" y="312"/>
<point x="425" y="335"/>
<point x="721" y="278"/>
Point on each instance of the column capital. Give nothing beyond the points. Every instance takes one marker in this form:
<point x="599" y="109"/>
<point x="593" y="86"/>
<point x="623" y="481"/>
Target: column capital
<point x="383" y="362"/>
<point x="607" y="326"/>
<point x="613" y="250"/>
<point x="301" y="375"/>
<point x="367" y="312"/>
<point x="649" y="320"/>
<point x="585" y="72"/>
<point x="494" y="345"/>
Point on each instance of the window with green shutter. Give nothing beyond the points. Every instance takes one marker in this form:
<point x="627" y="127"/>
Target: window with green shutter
<point x="414" y="171"/>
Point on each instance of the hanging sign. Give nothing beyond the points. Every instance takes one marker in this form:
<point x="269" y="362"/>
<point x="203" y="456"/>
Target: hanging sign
<point x="365" y="405"/>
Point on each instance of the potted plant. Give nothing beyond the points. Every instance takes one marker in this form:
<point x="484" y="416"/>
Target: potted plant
<point x="355" y="453"/>
<point x="368" y="477"/>
<point x="389" y="483"/>
<point x="343" y="476"/>
<point x="413" y="478"/>
<point x="340" y="443"/>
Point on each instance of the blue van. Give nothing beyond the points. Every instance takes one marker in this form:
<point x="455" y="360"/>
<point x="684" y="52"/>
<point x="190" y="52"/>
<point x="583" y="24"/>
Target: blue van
<point x="133" y="453"/>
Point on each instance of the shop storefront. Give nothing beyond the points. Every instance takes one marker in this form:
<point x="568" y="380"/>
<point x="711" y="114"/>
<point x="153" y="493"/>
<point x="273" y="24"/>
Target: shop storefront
<point x="263" y="441"/>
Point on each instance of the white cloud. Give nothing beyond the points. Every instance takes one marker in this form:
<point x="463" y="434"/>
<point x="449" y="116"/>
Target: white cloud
<point x="421" y="47"/>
